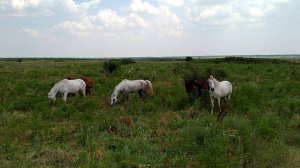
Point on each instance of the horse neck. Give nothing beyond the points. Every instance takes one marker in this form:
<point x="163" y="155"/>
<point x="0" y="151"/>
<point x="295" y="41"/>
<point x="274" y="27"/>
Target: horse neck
<point x="54" y="90"/>
<point x="198" y="83"/>
<point x="189" y="84"/>
<point x="205" y="84"/>
<point x="217" y="83"/>
<point x="117" y="90"/>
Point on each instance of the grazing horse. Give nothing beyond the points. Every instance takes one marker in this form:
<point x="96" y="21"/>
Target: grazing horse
<point x="66" y="86"/>
<point x="89" y="84"/>
<point x="218" y="90"/>
<point x="199" y="84"/>
<point x="143" y="87"/>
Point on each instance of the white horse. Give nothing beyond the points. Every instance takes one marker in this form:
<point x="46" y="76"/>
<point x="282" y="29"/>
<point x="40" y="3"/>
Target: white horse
<point x="66" y="86"/>
<point x="143" y="87"/>
<point x="217" y="90"/>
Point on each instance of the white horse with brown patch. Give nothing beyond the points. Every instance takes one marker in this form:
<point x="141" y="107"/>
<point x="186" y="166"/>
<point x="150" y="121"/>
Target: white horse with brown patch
<point x="217" y="90"/>
<point x="66" y="86"/>
<point x="143" y="87"/>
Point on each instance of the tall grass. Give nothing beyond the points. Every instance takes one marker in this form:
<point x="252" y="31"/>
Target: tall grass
<point x="261" y="128"/>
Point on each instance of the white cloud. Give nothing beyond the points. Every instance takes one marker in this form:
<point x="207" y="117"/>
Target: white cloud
<point x="176" y="3"/>
<point x="33" y="33"/>
<point x="82" y="27"/>
<point x="135" y="21"/>
<point x="43" y="7"/>
<point x="105" y="21"/>
<point x="139" y="6"/>
<point x="161" y="19"/>
<point x="230" y="12"/>
<point x="139" y="17"/>
<point x="111" y="19"/>
<point x="215" y="10"/>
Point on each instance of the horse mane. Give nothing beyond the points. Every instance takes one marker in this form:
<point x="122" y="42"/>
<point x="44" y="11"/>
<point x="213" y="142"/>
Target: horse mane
<point x="116" y="89"/>
<point x="61" y="83"/>
<point x="58" y="85"/>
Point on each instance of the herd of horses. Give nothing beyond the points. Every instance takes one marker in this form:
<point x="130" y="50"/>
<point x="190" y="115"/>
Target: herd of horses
<point x="71" y="86"/>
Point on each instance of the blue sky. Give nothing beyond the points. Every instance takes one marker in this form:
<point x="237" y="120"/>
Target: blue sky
<point x="111" y="28"/>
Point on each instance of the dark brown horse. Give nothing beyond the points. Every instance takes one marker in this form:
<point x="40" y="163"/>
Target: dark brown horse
<point x="89" y="84"/>
<point x="195" y="84"/>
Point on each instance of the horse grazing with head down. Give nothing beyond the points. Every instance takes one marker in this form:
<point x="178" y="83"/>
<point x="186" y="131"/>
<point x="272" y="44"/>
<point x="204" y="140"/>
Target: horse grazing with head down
<point x="218" y="90"/>
<point x="66" y="86"/>
<point x="88" y="81"/>
<point x="143" y="87"/>
<point x="195" y="84"/>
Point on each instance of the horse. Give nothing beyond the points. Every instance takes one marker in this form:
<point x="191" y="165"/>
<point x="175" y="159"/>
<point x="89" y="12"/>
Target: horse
<point x="89" y="84"/>
<point x="217" y="90"/>
<point x="143" y="87"/>
<point x="66" y="86"/>
<point x="199" y="84"/>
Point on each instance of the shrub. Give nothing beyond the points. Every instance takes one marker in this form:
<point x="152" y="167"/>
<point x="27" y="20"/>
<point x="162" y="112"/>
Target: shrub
<point x="127" y="61"/>
<point x="188" y="59"/>
<point x="219" y="74"/>
<point x="110" y="66"/>
<point x="189" y="70"/>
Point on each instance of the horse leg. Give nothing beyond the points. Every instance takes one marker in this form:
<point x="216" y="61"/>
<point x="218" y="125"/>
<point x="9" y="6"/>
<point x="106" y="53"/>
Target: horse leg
<point x="88" y="91"/>
<point x="65" y="96"/>
<point x="83" y="92"/>
<point x="126" y="96"/>
<point x="212" y="104"/>
<point x="191" y="98"/>
<point x="219" y="103"/>
<point x="140" y="92"/>
<point x="200" y="92"/>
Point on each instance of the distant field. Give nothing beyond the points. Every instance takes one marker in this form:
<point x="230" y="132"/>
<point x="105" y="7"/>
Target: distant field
<point x="261" y="129"/>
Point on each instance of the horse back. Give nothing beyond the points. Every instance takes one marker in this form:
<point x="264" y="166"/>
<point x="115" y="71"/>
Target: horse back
<point x="88" y="81"/>
<point x="77" y="84"/>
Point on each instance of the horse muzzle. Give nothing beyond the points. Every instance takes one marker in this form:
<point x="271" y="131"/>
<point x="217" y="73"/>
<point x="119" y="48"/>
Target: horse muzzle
<point x="212" y="89"/>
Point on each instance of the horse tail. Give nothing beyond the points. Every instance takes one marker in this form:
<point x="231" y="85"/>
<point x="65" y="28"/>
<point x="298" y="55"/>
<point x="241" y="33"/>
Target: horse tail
<point x="149" y="84"/>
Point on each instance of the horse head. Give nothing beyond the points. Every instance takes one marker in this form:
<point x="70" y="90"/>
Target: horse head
<point x="51" y="98"/>
<point x="211" y="83"/>
<point x="113" y="99"/>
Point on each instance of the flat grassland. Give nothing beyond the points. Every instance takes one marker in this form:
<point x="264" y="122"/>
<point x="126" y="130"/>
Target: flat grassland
<point x="261" y="129"/>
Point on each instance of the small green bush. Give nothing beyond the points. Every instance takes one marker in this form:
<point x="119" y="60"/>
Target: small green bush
<point x="126" y="61"/>
<point x="110" y="66"/>
<point x="188" y="59"/>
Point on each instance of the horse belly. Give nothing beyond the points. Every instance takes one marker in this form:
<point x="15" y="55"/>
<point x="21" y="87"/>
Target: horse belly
<point x="226" y="88"/>
<point x="74" y="88"/>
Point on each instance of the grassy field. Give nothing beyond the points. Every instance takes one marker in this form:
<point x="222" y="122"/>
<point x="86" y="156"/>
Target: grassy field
<point x="261" y="129"/>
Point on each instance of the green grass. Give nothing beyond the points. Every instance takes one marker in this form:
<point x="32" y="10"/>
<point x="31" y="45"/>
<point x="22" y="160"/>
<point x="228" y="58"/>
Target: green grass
<point x="261" y="129"/>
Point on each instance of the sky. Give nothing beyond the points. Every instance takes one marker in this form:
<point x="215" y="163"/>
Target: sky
<point x="148" y="28"/>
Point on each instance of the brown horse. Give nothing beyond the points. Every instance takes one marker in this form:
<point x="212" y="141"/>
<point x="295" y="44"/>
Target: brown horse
<point x="193" y="84"/>
<point x="89" y="84"/>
